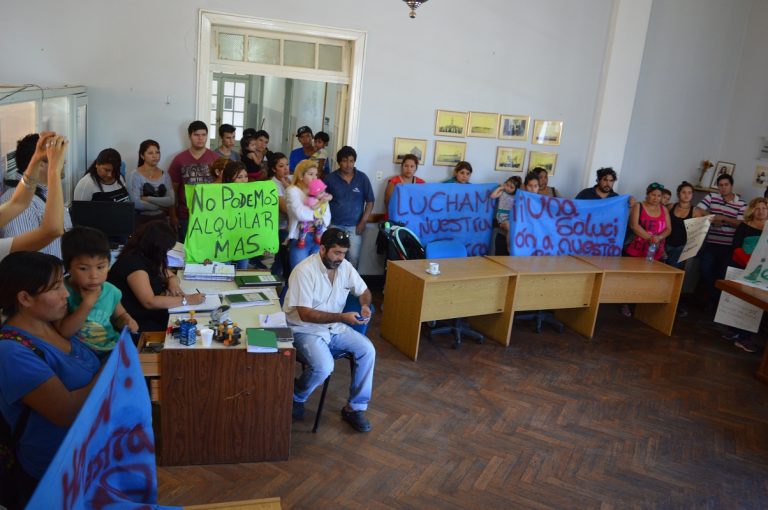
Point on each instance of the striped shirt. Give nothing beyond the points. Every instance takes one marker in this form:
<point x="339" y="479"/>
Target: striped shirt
<point x="715" y="204"/>
<point x="31" y="219"/>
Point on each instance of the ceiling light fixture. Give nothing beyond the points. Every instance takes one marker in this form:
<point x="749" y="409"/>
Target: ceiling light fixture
<point x="414" y="4"/>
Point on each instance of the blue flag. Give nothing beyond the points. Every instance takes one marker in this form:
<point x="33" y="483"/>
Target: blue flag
<point x="543" y="225"/>
<point x="446" y="212"/>
<point x="107" y="459"/>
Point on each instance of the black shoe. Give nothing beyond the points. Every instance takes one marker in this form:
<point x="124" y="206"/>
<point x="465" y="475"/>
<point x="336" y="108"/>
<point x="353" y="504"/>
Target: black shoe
<point x="297" y="412"/>
<point x="356" y="419"/>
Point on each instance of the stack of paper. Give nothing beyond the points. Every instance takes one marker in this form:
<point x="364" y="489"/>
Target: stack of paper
<point x="176" y="256"/>
<point x="213" y="272"/>
<point x="261" y="340"/>
<point x="212" y="302"/>
<point x="257" y="280"/>
<point x="247" y="299"/>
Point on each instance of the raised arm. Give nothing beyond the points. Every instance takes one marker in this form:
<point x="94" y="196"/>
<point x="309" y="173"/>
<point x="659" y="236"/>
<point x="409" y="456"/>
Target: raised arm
<point x="24" y="192"/>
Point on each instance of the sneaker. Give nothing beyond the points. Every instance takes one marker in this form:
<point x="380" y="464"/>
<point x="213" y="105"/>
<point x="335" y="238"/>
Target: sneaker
<point x="731" y="335"/>
<point x="626" y="311"/>
<point x="682" y="313"/>
<point x="746" y="345"/>
<point x="356" y="419"/>
<point x="297" y="412"/>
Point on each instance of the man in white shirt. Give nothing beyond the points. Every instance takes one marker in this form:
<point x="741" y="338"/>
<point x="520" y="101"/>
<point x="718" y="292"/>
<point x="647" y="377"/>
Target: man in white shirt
<point x="317" y="292"/>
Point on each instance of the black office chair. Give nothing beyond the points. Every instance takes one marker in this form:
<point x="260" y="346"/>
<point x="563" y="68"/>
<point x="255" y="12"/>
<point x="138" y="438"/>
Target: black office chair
<point x="450" y="250"/>
<point x="115" y="219"/>
<point x="541" y="317"/>
<point x="353" y="305"/>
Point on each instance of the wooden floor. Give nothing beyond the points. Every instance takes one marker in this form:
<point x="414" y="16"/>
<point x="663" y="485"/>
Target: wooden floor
<point x="630" y="419"/>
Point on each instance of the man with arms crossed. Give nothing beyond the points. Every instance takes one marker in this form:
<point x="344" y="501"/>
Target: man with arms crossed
<point x="317" y="292"/>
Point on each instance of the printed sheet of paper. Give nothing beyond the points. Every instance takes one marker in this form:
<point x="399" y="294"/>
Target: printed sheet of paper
<point x="736" y="312"/>
<point x="696" y="229"/>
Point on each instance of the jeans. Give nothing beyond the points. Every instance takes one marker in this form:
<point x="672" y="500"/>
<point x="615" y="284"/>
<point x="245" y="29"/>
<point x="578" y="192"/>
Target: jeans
<point x="240" y="264"/>
<point x="280" y="264"/>
<point x="319" y="358"/>
<point x="713" y="260"/>
<point x="355" y="243"/>
<point x="673" y="255"/>
<point x="296" y="255"/>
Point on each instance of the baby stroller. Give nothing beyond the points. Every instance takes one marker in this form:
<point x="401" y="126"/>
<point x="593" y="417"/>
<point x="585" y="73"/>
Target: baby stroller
<point x="398" y="242"/>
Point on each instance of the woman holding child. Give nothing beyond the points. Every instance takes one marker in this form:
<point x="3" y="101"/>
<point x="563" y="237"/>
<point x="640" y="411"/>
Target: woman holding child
<point x="298" y="211"/>
<point x="42" y="373"/>
<point x="142" y="275"/>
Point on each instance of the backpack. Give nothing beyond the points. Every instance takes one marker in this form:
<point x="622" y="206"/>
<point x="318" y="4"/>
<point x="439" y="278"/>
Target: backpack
<point x="399" y="242"/>
<point x="10" y="437"/>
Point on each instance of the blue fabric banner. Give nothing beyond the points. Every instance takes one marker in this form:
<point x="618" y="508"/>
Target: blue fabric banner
<point x="107" y="460"/>
<point x="542" y="225"/>
<point x="442" y="212"/>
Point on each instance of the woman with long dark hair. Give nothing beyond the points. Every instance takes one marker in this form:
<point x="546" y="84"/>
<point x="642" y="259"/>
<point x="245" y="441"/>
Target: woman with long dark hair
<point x="102" y="181"/>
<point x="149" y="186"/>
<point x="141" y="273"/>
<point x="43" y="375"/>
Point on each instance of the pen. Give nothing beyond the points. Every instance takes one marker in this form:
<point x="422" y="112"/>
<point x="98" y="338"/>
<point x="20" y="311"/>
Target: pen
<point x="198" y="291"/>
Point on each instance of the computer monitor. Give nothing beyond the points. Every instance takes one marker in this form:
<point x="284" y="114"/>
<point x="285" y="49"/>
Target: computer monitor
<point x="115" y="219"/>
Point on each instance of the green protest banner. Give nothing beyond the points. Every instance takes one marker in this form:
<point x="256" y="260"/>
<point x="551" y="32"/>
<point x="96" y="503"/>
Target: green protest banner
<point x="230" y="222"/>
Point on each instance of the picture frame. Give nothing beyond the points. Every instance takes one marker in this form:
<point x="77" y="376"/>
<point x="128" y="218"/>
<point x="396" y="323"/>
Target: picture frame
<point x="450" y="123"/>
<point x="509" y="159"/>
<point x="415" y="146"/>
<point x="448" y="153"/>
<point x="547" y="132"/>
<point x="761" y="176"/>
<point x="483" y="125"/>
<point x="514" y="127"/>
<point x="546" y="160"/>
<point x="722" y="167"/>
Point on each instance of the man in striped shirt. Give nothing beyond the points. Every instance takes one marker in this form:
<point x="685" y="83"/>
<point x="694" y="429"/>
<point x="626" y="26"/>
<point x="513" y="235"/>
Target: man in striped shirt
<point x="728" y="211"/>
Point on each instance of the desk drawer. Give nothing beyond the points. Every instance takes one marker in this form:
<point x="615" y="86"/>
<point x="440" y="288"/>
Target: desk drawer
<point x="154" y="389"/>
<point x="150" y="361"/>
<point x="463" y="298"/>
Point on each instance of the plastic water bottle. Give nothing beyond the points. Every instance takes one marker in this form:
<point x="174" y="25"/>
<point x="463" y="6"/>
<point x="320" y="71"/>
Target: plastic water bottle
<point x="651" y="252"/>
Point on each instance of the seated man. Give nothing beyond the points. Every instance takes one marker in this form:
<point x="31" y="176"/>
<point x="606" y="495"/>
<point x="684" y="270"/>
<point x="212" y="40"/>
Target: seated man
<point x="317" y="292"/>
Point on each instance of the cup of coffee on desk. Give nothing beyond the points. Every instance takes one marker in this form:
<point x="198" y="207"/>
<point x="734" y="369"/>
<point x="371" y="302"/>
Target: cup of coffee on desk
<point x="433" y="268"/>
<point x="207" y="336"/>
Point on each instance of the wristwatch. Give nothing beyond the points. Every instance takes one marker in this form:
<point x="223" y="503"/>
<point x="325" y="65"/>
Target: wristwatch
<point x="183" y="300"/>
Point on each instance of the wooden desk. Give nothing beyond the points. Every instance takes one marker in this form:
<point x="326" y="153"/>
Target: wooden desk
<point x="222" y="404"/>
<point x="753" y="296"/>
<point x="565" y="284"/>
<point x="654" y="286"/>
<point x="472" y="287"/>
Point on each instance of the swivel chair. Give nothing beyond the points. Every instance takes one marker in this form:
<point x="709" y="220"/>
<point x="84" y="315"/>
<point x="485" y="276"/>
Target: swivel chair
<point x="450" y="250"/>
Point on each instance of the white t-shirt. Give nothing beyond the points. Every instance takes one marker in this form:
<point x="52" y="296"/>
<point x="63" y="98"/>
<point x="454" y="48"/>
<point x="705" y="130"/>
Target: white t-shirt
<point x="86" y="187"/>
<point x="310" y="287"/>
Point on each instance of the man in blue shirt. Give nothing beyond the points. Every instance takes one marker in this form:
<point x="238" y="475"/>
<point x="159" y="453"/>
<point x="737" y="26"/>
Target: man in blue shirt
<point x="352" y="200"/>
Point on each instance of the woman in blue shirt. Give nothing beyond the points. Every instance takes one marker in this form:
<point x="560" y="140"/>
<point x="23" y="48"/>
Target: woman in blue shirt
<point x="55" y="385"/>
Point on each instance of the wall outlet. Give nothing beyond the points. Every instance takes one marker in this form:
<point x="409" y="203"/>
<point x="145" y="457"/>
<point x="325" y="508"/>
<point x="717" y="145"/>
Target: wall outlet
<point x="379" y="175"/>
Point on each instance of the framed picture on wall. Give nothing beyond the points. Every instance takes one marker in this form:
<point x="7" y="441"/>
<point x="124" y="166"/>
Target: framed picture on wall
<point x="514" y="127"/>
<point x="449" y="153"/>
<point x="547" y="132"/>
<point x="413" y="146"/>
<point x="546" y="160"/>
<point x="509" y="159"/>
<point x="721" y="168"/>
<point x="449" y="123"/>
<point x="483" y="125"/>
<point x="761" y="176"/>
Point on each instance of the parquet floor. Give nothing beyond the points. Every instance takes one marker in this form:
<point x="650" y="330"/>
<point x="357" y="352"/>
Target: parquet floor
<point x="630" y="419"/>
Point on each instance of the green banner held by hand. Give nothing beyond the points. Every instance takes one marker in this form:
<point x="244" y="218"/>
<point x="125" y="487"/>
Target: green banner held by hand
<point x="229" y="222"/>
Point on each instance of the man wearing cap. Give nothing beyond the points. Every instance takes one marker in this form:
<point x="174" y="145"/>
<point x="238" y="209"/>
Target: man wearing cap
<point x="317" y="294"/>
<point x="304" y="134"/>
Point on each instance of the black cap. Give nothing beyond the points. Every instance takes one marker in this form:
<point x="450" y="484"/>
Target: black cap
<point x="302" y="130"/>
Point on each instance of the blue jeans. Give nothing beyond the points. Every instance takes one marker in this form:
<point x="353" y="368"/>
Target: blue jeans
<point x="713" y="260"/>
<point x="296" y="254"/>
<point x="673" y="255"/>
<point x="240" y="264"/>
<point x="355" y="243"/>
<point x="319" y="358"/>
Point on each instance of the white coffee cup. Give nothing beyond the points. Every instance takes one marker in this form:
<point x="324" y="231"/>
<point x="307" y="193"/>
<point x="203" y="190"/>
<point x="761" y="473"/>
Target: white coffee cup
<point x="207" y="335"/>
<point x="434" y="267"/>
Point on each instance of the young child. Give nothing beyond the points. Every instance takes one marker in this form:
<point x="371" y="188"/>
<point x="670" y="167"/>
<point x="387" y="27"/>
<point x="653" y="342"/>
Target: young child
<point x="321" y="140"/>
<point x="531" y="183"/>
<point x="506" y="195"/>
<point x="94" y="311"/>
<point x="666" y="196"/>
<point x="315" y="193"/>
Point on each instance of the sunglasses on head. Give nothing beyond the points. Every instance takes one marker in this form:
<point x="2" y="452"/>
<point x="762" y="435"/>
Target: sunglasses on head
<point x="655" y="185"/>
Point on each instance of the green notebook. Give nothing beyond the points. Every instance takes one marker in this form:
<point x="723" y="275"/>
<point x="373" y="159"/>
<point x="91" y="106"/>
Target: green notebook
<point x="247" y="299"/>
<point x="261" y="340"/>
<point x="256" y="280"/>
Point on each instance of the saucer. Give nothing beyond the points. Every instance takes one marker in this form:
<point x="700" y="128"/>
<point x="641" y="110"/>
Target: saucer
<point x="433" y="273"/>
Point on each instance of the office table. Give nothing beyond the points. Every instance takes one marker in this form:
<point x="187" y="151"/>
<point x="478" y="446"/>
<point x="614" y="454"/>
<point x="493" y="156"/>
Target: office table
<point x="753" y="296"/>
<point x="472" y="287"/>
<point x="222" y="404"/>
<point x="653" y="286"/>
<point x="567" y="285"/>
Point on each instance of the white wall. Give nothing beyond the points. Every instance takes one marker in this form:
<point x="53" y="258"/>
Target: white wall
<point x="509" y="56"/>
<point x="687" y="81"/>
